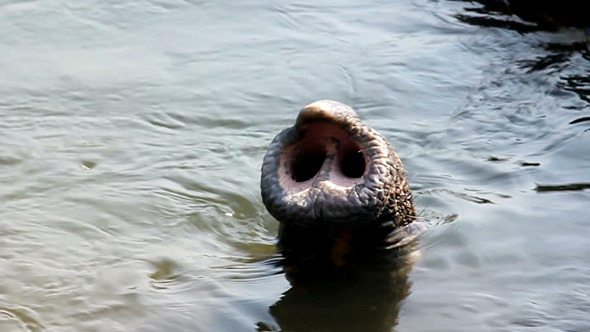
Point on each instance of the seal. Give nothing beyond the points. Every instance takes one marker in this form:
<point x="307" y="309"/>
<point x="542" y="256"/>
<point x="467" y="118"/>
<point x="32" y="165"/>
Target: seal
<point x="336" y="187"/>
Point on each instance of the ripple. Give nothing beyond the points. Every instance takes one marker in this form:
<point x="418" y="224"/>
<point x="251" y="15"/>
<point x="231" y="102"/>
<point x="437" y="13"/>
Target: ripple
<point x="20" y="316"/>
<point x="528" y="164"/>
<point x="562" y="187"/>
<point x="579" y="120"/>
<point x="465" y="196"/>
<point x="8" y="160"/>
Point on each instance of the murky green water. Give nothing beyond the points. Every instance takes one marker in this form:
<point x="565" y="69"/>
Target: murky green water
<point x="132" y="133"/>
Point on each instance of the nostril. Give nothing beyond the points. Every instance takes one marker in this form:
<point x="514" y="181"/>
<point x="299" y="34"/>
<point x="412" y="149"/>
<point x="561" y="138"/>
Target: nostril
<point x="352" y="164"/>
<point x="306" y="164"/>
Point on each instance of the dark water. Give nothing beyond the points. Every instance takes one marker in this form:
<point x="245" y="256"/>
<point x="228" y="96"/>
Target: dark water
<point x="132" y="133"/>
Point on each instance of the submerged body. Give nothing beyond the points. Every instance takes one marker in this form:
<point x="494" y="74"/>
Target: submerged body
<point x="336" y="186"/>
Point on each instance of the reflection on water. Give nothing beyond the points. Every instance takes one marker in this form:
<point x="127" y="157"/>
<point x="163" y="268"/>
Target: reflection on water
<point x="526" y="15"/>
<point x="563" y="187"/>
<point x="365" y="297"/>
<point x="131" y="137"/>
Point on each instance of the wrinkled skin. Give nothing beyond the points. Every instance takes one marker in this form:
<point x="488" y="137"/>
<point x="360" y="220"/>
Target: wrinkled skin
<point x="336" y="186"/>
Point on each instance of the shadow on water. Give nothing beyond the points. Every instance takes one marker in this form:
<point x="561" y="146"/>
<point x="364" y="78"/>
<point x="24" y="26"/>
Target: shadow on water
<point x="560" y="56"/>
<point x="526" y="15"/>
<point x="366" y="296"/>
<point x="565" y="52"/>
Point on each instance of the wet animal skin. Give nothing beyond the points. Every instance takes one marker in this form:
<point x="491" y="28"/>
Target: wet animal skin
<point x="336" y="186"/>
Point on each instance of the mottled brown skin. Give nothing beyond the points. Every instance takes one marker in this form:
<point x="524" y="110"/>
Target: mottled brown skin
<point x="336" y="186"/>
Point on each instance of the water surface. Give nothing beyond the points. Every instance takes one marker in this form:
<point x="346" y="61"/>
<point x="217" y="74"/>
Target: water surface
<point x="132" y="134"/>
